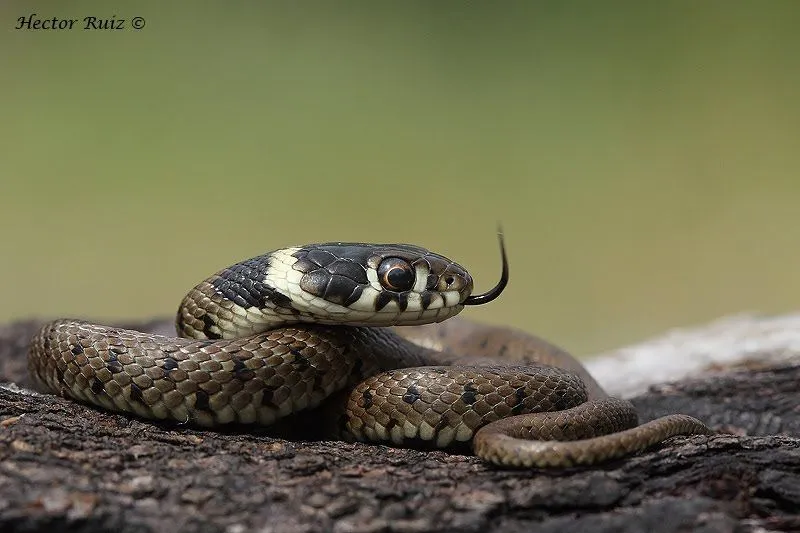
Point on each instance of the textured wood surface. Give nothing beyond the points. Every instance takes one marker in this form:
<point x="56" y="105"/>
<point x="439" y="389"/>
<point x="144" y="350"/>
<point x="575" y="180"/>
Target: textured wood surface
<point x="68" y="467"/>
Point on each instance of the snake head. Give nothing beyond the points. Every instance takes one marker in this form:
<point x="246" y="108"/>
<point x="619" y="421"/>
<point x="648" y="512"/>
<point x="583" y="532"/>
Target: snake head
<point x="370" y="284"/>
<point x="330" y="283"/>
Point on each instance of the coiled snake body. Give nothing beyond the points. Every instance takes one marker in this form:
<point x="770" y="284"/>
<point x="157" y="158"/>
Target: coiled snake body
<point x="283" y="332"/>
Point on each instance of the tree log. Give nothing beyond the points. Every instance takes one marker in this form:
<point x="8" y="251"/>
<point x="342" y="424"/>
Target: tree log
<point x="69" y="467"/>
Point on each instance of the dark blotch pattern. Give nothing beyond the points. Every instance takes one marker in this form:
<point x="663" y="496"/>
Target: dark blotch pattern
<point x="402" y="300"/>
<point x="114" y="366"/>
<point x="300" y="361"/>
<point x="201" y="401"/>
<point x="433" y="280"/>
<point x="468" y="396"/>
<point x="520" y="406"/>
<point x="243" y="284"/>
<point x="383" y="300"/>
<point x="240" y="370"/>
<point x="170" y="364"/>
<point x="441" y="424"/>
<point x="426" y="299"/>
<point x="208" y="323"/>
<point x="97" y="386"/>
<point x="76" y="349"/>
<point x="267" y="398"/>
<point x="281" y="300"/>
<point x="411" y="395"/>
<point x="136" y="394"/>
<point x="367" y="399"/>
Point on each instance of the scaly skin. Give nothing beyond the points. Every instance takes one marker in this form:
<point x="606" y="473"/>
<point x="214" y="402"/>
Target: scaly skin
<point x="257" y="356"/>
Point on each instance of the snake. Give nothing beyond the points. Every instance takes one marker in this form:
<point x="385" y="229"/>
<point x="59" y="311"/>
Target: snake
<point x="361" y="338"/>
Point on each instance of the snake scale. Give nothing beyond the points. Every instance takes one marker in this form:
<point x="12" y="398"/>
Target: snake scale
<point x="295" y="329"/>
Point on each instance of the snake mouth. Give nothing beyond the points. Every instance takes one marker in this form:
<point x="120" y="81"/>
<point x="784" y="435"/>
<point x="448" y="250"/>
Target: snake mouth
<point x="494" y="292"/>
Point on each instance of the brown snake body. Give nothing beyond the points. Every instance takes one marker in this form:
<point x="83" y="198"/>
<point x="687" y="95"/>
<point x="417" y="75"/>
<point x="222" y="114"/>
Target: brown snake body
<point x="261" y="340"/>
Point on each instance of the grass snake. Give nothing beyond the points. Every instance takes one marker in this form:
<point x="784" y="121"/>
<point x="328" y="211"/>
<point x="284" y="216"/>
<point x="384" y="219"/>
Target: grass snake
<point x="295" y="329"/>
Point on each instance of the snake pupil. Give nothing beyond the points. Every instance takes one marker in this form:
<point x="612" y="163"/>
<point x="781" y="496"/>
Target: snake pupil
<point x="396" y="275"/>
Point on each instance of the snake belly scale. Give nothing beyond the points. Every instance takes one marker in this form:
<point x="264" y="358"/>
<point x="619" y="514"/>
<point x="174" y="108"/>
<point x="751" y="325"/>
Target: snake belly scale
<point x="306" y="326"/>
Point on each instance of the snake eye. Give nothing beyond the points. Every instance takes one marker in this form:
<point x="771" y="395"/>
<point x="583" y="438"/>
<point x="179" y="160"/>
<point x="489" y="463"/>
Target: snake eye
<point x="396" y="275"/>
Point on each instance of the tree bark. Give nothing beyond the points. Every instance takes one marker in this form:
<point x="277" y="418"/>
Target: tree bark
<point x="69" y="467"/>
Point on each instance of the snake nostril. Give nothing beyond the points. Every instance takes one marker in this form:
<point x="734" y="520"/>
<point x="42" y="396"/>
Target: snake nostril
<point x="449" y="280"/>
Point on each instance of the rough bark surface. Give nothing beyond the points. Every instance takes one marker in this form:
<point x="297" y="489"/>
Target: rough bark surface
<point x="68" y="467"/>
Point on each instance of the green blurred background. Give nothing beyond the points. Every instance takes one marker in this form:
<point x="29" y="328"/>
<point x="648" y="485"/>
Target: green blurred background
<point x="642" y="156"/>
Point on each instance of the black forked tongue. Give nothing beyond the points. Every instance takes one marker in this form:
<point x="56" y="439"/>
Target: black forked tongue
<point x="493" y="293"/>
